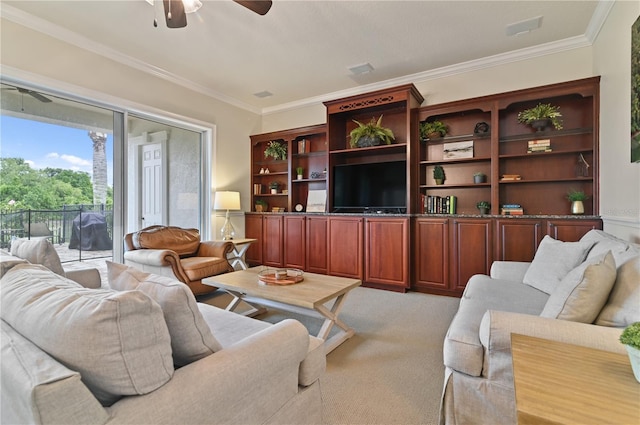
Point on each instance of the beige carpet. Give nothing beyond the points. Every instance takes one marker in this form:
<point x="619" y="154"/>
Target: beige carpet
<point x="391" y="371"/>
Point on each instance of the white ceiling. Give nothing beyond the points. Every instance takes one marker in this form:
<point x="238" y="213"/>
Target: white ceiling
<point x="301" y="50"/>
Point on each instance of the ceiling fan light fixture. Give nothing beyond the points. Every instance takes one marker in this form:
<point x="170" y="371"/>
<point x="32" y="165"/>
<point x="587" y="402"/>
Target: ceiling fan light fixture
<point x="191" y="6"/>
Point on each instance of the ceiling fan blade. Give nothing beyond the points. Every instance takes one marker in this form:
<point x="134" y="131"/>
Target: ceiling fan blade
<point x="174" y="14"/>
<point x="40" y="97"/>
<point x="261" y="7"/>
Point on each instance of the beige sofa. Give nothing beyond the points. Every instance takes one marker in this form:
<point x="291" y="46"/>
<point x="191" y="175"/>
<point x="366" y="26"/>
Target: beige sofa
<point x="145" y="352"/>
<point x="580" y="293"/>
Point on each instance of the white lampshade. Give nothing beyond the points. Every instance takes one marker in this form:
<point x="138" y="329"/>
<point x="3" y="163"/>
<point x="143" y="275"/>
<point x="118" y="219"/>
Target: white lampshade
<point x="226" y="200"/>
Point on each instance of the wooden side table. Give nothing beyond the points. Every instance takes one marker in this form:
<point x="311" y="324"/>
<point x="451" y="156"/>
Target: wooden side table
<point x="240" y="247"/>
<point x="558" y="383"/>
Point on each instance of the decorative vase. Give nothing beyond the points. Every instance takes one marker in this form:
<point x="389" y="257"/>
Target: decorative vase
<point x="634" y="358"/>
<point x="434" y="135"/>
<point x="439" y="181"/>
<point x="299" y="176"/>
<point x="577" y="207"/>
<point x="541" y="124"/>
<point x="367" y="141"/>
<point x="274" y="191"/>
<point x="483" y="211"/>
<point x="479" y="179"/>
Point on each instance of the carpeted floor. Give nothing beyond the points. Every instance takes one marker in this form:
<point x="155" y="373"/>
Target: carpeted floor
<point x="391" y="371"/>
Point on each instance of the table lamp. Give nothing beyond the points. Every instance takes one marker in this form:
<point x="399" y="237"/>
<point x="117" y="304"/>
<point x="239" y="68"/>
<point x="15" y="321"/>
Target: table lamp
<point x="227" y="200"/>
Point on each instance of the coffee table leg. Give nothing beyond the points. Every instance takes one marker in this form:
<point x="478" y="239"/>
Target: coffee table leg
<point x="331" y="318"/>
<point x="237" y="299"/>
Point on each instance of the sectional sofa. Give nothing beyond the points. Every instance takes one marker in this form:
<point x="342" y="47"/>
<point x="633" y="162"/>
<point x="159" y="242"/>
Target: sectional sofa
<point x="144" y="351"/>
<point x="581" y="293"/>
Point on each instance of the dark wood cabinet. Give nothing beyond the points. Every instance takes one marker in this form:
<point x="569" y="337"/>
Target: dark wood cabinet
<point x="518" y="238"/>
<point x="316" y="244"/>
<point x="571" y="230"/>
<point x="253" y="229"/>
<point x="295" y="231"/>
<point x="386" y="253"/>
<point x="472" y="245"/>
<point x="273" y="238"/>
<point x="345" y="242"/>
<point x="431" y="255"/>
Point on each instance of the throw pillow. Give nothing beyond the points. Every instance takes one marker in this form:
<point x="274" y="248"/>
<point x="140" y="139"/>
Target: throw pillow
<point x="623" y="306"/>
<point x="553" y="260"/>
<point x="583" y="291"/>
<point x="117" y="341"/>
<point x="191" y="338"/>
<point x="37" y="251"/>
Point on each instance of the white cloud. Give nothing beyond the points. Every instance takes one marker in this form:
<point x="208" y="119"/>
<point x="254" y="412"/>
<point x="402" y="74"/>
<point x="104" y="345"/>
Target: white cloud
<point x="71" y="159"/>
<point x="53" y="155"/>
<point x="31" y="163"/>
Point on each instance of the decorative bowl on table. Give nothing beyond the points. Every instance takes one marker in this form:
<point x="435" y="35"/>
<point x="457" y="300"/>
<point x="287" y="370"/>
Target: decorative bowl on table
<point x="280" y="276"/>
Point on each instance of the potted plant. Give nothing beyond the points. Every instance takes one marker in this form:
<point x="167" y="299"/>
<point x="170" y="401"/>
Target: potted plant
<point x="438" y="174"/>
<point x="370" y="134"/>
<point x="483" y="206"/>
<point x="432" y="130"/>
<point x="276" y="150"/>
<point x="299" y="171"/>
<point x="541" y="116"/>
<point x="630" y="337"/>
<point x="274" y="185"/>
<point x="577" y="197"/>
<point x="479" y="177"/>
<point x="261" y="205"/>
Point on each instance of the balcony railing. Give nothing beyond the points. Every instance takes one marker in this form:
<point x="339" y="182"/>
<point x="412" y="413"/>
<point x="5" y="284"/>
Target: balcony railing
<point x="63" y="227"/>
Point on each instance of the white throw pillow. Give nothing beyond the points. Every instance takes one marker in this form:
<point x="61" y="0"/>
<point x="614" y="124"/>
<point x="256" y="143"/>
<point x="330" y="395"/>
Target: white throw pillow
<point x="191" y="338"/>
<point x="117" y="341"/>
<point x="553" y="260"/>
<point x="623" y="306"/>
<point x="583" y="291"/>
<point x="38" y="251"/>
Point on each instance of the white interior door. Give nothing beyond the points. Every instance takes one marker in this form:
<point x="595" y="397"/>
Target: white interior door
<point x="152" y="184"/>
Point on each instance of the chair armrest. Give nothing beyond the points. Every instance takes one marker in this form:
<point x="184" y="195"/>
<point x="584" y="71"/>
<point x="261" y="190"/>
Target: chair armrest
<point x="89" y="278"/>
<point x="218" y="249"/>
<point x="497" y="326"/>
<point x="509" y="270"/>
<point x="152" y="257"/>
<point x="244" y="383"/>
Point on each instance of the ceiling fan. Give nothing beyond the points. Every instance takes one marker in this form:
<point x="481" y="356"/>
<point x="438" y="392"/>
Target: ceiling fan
<point x="32" y="93"/>
<point x="175" y="11"/>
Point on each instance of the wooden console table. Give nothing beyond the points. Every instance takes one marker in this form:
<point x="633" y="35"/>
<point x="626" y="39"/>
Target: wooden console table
<point x="558" y="383"/>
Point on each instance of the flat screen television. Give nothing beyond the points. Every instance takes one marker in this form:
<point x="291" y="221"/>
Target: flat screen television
<point x="380" y="186"/>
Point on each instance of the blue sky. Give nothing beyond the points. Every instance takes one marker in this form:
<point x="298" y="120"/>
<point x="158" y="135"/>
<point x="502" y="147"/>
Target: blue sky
<point x="45" y="145"/>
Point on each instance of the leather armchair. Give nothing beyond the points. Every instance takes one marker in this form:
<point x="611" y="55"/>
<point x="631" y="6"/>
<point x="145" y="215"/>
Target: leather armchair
<point x="177" y="253"/>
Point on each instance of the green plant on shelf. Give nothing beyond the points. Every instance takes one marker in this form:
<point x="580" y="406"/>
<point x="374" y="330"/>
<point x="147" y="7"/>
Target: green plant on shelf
<point x="433" y="129"/>
<point x="274" y="185"/>
<point x="539" y="113"/>
<point x="370" y="134"/>
<point x="438" y="174"/>
<point x="299" y="171"/>
<point x="276" y="150"/>
<point x="576" y="195"/>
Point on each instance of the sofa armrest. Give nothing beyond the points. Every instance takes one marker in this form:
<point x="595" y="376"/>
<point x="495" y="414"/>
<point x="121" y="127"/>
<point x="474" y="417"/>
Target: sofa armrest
<point x="509" y="270"/>
<point x="497" y="326"/>
<point x="245" y="383"/>
<point x="89" y="278"/>
<point x="218" y="249"/>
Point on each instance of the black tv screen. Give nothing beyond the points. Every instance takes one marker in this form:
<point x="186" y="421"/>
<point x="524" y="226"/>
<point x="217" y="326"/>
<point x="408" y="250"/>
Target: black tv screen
<point x="376" y="186"/>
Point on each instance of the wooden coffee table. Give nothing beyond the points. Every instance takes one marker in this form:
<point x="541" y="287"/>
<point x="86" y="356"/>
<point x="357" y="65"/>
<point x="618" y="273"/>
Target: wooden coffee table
<point x="307" y="297"/>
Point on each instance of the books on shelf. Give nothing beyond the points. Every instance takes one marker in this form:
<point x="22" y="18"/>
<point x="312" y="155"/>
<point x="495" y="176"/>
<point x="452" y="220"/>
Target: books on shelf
<point x="510" y="177"/>
<point x="543" y="145"/>
<point x="432" y="204"/>
<point x="511" y="209"/>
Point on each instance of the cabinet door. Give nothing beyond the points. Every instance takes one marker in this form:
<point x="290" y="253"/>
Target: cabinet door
<point x="345" y="243"/>
<point x="387" y="251"/>
<point x="472" y="250"/>
<point x="571" y="230"/>
<point x="253" y="229"/>
<point x="518" y="239"/>
<point x="431" y="253"/>
<point x="316" y="244"/>
<point x="294" y="241"/>
<point x="273" y="235"/>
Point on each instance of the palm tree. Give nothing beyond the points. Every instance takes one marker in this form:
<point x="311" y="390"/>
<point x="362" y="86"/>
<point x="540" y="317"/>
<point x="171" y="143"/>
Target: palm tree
<point x="99" y="167"/>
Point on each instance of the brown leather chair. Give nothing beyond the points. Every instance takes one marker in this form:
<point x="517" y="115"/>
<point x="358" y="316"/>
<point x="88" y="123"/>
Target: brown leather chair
<point x="178" y="253"/>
